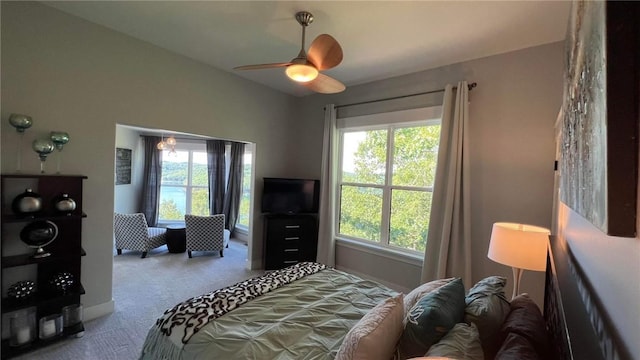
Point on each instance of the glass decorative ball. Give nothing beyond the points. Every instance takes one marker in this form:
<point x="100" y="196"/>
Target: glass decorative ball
<point x="20" y="122"/>
<point x="43" y="147"/>
<point x="59" y="138"/>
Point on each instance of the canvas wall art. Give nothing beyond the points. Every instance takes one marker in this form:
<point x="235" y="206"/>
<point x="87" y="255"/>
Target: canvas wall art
<point x="599" y="145"/>
<point x="123" y="166"/>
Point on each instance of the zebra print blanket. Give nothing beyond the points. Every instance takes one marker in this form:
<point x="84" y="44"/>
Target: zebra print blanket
<point x="181" y="322"/>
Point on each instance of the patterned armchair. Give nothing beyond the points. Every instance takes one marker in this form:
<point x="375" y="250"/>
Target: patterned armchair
<point x="132" y="233"/>
<point x="206" y="233"/>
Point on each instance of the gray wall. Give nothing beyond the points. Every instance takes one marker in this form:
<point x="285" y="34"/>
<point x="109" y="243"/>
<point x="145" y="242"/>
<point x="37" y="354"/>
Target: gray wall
<point x="72" y="75"/>
<point x="512" y="115"/>
<point x="127" y="196"/>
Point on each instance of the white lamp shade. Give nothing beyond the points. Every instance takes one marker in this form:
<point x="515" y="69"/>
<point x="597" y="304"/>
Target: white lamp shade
<point x="519" y="246"/>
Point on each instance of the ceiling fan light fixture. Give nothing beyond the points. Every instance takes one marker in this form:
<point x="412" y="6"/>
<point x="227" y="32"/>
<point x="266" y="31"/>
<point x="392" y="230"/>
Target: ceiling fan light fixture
<point x="301" y="72"/>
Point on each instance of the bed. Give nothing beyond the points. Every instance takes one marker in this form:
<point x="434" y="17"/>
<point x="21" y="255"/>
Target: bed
<point x="310" y="311"/>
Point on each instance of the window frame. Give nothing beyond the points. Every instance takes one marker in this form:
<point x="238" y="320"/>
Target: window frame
<point x="391" y="122"/>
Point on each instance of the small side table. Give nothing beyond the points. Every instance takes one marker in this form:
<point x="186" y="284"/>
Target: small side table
<point x="176" y="238"/>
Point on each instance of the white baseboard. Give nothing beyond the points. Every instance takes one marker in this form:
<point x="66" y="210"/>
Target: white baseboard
<point x="241" y="236"/>
<point x="393" y="286"/>
<point x="96" y="311"/>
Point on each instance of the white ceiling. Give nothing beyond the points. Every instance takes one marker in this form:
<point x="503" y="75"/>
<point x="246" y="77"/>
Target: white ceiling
<point x="380" y="39"/>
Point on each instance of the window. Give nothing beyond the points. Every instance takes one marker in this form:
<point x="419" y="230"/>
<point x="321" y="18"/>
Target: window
<point x="184" y="188"/>
<point x="386" y="180"/>
<point x="245" y="199"/>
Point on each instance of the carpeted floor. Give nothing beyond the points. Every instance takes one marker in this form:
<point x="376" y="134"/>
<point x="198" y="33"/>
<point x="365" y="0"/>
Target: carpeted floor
<point x="143" y="289"/>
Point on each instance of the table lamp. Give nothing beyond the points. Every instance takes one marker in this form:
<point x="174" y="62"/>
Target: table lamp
<point x="523" y="247"/>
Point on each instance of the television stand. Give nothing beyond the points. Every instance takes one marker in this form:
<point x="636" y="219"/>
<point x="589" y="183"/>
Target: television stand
<point x="289" y="239"/>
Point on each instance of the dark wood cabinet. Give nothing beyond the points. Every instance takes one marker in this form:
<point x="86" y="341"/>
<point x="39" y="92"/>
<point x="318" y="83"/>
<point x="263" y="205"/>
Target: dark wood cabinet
<point x="290" y="239"/>
<point x="18" y="263"/>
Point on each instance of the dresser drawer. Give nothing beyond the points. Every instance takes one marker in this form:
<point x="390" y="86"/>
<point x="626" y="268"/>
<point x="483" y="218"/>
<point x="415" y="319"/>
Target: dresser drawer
<point x="287" y="227"/>
<point x="292" y="254"/>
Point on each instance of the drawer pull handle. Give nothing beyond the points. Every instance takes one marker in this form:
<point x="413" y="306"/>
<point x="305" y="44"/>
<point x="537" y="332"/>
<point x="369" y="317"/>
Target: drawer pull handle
<point x="290" y="250"/>
<point x="292" y="238"/>
<point x="291" y="261"/>
<point x="292" y="226"/>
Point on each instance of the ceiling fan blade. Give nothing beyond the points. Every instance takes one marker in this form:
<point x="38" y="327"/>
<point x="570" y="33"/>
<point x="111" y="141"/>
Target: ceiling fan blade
<point x="261" y="66"/>
<point x="325" y="52"/>
<point x="325" y="85"/>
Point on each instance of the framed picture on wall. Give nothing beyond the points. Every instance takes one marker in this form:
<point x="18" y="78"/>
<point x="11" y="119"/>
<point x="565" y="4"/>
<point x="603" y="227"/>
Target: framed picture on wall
<point x="123" y="166"/>
<point x="599" y="145"/>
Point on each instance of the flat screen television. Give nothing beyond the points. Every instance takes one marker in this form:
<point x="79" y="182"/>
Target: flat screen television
<point x="290" y="196"/>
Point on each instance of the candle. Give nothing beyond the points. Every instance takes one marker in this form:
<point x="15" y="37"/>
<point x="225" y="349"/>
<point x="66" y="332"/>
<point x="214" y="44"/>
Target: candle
<point x="23" y="335"/>
<point x="48" y="328"/>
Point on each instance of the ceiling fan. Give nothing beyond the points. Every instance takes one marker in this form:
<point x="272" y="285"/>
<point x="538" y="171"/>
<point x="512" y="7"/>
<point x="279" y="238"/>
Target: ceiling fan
<point x="324" y="53"/>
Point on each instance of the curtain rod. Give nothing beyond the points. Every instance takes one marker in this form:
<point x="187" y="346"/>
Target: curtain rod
<point x="470" y="87"/>
<point x="181" y="138"/>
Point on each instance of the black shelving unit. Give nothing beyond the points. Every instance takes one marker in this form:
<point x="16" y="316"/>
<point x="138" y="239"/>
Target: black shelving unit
<point x="66" y="253"/>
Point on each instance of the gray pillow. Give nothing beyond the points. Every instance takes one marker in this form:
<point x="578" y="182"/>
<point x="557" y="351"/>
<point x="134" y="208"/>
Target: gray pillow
<point x="461" y="342"/>
<point x="487" y="308"/>
<point x="431" y="318"/>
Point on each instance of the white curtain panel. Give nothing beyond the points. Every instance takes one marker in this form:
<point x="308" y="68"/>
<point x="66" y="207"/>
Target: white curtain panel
<point x="448" y="250"/>
<point x="326" y="239"/>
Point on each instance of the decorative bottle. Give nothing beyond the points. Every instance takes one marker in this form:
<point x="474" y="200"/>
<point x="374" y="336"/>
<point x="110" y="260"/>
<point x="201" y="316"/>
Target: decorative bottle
<point x="64" y="204"/>
<point x="27" y="203"/>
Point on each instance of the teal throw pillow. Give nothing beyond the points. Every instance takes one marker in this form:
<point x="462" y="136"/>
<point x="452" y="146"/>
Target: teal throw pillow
<point x="431" y="318"/>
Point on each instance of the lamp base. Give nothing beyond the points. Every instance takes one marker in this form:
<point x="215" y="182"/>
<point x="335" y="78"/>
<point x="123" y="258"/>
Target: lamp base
<point x="517" y="275"/>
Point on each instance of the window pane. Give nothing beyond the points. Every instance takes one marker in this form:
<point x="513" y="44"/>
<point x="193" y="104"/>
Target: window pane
<point x="409" y="219"/>
<point x="199" y="201"/>
<point x="243" y="212"/>
<point x="364" y="156"/>
<point x="360" y="212"/>
<point x="199" y="170"/>
<point x="173" y="202"/>
<point x="415" y="155"/>
<point x="174" y="168"/>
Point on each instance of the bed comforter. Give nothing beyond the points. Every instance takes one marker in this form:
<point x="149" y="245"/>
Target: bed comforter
<point x="305" y="319"/>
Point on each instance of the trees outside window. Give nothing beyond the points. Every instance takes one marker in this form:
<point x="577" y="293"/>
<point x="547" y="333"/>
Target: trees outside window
<point x="386" y="183"/>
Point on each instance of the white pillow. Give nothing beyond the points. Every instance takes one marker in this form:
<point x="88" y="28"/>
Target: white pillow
<point x="376" y="334"/>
